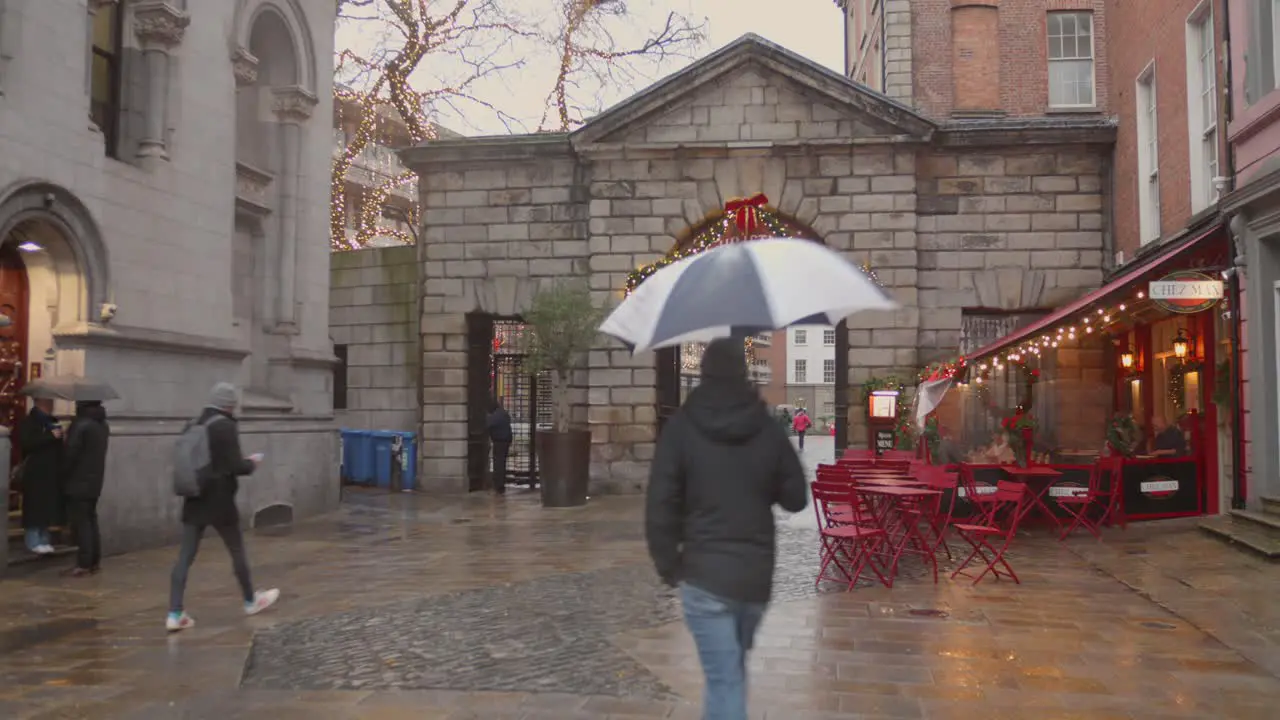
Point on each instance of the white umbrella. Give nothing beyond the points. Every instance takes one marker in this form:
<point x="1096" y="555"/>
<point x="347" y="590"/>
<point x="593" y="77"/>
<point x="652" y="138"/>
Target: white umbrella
<point x="743" y="288"/>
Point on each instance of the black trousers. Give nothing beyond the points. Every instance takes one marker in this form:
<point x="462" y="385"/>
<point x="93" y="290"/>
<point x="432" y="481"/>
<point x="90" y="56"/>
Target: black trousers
<point x="500" y="452"/>
<point x="801" y="434"/>
<point x="84" y="522"/>
<point x="191" y="535"/>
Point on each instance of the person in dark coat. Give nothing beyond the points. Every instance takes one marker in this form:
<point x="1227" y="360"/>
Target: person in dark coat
<point x="720" y="466"/>
<point x="40" y="438"/>
<point x="84" y="469"/>
<point x="216" y="507"/>
<point x="500" y="436"/>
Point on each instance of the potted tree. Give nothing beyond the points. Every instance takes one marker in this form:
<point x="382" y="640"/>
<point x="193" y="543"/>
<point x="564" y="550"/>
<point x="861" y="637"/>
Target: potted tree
<point x="563" y="324"/>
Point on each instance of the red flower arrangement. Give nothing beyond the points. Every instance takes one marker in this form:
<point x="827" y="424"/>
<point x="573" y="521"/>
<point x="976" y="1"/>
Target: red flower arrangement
<point x="1018" y="422"/>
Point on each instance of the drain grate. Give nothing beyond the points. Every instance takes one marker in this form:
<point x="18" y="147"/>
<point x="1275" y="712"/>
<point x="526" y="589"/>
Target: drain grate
<point x="929" y="613"/>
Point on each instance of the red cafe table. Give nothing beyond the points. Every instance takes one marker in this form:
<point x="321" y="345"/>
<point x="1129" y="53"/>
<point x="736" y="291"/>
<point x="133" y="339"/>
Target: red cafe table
<point x="1038" y="479"/>
<point x="893" y="510"/>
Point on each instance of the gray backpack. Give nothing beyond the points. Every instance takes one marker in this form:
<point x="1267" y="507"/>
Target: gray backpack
<point x="191" y="458"/>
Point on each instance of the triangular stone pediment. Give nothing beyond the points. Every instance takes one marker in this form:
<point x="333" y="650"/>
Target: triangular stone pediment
<point x="750" y="91"/>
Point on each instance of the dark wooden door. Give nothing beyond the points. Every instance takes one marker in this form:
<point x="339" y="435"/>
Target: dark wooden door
<point x="479" y="380"/>
<point x="14" y="295"/>
<point x="668" y="378"/>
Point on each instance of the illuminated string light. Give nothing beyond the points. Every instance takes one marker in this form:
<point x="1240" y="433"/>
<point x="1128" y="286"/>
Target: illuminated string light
<point x="720" y="231"/>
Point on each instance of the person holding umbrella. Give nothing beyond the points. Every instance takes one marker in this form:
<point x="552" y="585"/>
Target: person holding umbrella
<point x="84" y="459"/>
<point x="721" y="462"/>
<point x="40" y="439"/>
<point x="721" y="465"/>
<point x="83" y="476"/>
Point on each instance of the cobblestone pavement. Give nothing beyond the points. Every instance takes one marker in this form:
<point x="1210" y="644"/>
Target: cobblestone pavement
<point x="406" y="607"/>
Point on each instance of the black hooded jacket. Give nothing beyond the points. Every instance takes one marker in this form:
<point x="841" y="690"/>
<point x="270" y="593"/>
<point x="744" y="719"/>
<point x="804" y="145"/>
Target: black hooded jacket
<point x="86" y="452"/>
<point x="721" y="465"/>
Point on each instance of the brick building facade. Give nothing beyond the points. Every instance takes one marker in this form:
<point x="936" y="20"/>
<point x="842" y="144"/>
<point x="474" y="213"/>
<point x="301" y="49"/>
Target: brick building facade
<point x="1004" y="215"/>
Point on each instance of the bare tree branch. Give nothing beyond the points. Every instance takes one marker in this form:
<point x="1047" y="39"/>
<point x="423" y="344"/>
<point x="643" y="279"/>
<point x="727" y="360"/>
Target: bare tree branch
<point x="416" y="59"/>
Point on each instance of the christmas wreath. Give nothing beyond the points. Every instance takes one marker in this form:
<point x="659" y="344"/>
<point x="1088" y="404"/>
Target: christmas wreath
<point x="1123" y="434"/>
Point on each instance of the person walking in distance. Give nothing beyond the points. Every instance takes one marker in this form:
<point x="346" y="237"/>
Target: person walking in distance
<point x="215" y="507"/>
<point x="721" y="464"/>
<point x="500" y="436"/>
<point x="40" y="439"/>
<point x="801" y="425"/>
<point x="85" y="467"/>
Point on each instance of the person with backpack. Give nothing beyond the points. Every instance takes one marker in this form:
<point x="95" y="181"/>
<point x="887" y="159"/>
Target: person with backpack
<point x="207" y="467"/>
<point x="84" y="471"/>
<point x="801" y="425"/>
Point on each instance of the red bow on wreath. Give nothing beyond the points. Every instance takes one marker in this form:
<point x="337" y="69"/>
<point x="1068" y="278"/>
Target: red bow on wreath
<point x="746" y="213"/>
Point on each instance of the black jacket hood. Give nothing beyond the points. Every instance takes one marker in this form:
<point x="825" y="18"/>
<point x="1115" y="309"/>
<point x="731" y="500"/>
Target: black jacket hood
<point x="92" y="411"/>
<point x="726" y="410"/>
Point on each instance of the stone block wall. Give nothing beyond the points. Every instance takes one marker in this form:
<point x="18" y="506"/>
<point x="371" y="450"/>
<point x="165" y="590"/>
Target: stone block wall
<point x="498" y="224"/>
<point x="860" y="201"/>
<point x="1006" y="229"/>
<point x="372" y="311"/>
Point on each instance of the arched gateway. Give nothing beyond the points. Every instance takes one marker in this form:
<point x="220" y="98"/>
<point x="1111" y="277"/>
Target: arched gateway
<point x="741" y="220"/>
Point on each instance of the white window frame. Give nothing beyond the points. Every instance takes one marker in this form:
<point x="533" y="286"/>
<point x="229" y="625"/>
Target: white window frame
<point x="829" y="337"/>
<point x="1147" y="125"/>
<point x="801" y="337"/>
<point x="800" y="371"/>
<point x="829" y="371"/>
<point x="1202" y="88"/>
<point x="1092" y="59"/>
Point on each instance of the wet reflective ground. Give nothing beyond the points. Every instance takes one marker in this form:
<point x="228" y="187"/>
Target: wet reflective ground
<point x="403" y="607"/>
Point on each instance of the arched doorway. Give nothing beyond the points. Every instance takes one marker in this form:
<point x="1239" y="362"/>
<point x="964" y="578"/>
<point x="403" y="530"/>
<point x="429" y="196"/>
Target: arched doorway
<point x="677" y="369"/>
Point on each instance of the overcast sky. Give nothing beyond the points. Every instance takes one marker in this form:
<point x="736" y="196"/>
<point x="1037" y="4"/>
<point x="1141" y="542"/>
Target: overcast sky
<point x="812" y="28"/>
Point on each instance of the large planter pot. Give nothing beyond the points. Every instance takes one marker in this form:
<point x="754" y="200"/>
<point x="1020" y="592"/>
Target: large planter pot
<point x="564" y="461"/>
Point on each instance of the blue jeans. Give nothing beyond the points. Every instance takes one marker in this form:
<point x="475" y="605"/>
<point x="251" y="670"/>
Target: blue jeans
<point x="37" y="537"/>
<point x="724" y="631"/>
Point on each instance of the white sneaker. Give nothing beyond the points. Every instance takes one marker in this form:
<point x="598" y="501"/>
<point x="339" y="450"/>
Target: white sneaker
<point x="180" y="621"/>
<point x="44" y="549"/>
<point x="261" y="601"/>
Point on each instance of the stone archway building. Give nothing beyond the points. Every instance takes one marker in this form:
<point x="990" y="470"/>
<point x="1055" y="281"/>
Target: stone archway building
<point x="983" y="215"/>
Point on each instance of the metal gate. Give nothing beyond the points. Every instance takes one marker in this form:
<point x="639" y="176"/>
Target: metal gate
<point x="519" y="392"/>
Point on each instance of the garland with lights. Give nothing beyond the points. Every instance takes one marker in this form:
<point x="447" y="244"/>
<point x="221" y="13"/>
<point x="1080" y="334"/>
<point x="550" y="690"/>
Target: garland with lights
<point x="1177" y="391"/>
<point x="741" y="219"/>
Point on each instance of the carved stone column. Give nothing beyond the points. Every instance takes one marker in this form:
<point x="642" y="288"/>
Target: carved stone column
<point x="292" y="107"/>
<point x="159" y="27"/>
<point x="245" y="67"/>
<point x="94" y="6"/>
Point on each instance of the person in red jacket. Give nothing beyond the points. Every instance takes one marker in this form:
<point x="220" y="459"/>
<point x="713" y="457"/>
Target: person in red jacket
<point x="801" y="424"/>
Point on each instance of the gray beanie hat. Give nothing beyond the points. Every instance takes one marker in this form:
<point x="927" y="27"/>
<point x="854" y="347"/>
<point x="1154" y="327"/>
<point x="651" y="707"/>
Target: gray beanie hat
<point x="224" y="395"/>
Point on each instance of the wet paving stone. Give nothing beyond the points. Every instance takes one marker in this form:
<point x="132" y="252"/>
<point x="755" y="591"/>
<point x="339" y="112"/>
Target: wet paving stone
<point x="401" y="606"/>
<point x="546" y="635"/>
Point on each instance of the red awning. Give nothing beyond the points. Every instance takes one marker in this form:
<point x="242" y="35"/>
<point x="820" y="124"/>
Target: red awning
<point x="1159" y="261"/>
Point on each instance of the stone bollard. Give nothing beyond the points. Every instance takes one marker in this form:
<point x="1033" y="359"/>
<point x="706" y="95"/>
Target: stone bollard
<point x="5" y="450"/>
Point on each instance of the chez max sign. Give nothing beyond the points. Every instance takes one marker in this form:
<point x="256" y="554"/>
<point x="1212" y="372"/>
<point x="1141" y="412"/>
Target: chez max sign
<point x="1185" y="292"/>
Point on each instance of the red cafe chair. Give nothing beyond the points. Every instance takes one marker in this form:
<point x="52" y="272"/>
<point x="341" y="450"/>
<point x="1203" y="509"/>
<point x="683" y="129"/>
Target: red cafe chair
<point x="849" y="535"/>
<point x="1084" y="506"/>
<point x="991" y="541"/>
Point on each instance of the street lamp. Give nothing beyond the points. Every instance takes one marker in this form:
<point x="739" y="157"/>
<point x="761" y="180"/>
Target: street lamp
<point x="1181" y="345"/>
<point x="1126" y="360"/>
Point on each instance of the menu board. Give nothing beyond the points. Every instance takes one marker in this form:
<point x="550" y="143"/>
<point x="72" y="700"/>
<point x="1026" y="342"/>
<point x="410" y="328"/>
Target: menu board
<point x="884" y="440"/>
